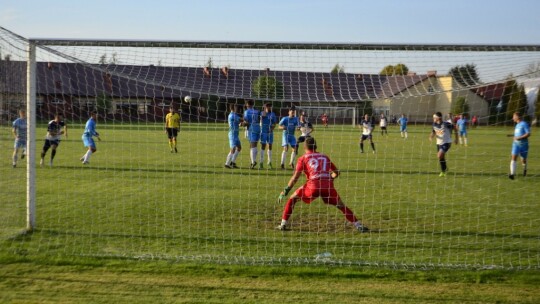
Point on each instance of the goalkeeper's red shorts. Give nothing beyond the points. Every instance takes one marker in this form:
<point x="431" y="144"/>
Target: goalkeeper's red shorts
<point x="309" y="192"/>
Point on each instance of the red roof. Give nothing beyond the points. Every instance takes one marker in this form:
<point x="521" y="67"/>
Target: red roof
<point x="491" y="92"/>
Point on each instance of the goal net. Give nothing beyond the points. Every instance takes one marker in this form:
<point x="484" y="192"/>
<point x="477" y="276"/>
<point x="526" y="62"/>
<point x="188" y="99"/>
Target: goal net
<point x="144" y="196"/>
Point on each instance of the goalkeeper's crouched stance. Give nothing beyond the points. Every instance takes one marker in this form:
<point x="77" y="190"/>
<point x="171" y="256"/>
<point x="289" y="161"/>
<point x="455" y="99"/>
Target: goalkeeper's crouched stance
<point x="320" y="173"/>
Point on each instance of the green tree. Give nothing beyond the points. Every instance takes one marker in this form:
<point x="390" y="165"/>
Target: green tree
<point x="465" y="75"/>
<point x="460" y="106"/>
<point x="103" y="59"/>
<point x="209" y="63"/>
<point x="537" y="107"/>
<point x="387" y="70"/>
<point x="338" y="69"/>
<point x="401" y="69"/>
<point x="393" y="70"/>
<point x="267" y="87"/>
<point x="532" y="70"/>
<point x="114" y="60"/>
<point x="103" y="103"/>
<point x="517" y="99"/>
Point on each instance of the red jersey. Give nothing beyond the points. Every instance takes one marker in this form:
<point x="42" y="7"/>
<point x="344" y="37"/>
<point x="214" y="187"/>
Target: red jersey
<point x="316" y="166"/>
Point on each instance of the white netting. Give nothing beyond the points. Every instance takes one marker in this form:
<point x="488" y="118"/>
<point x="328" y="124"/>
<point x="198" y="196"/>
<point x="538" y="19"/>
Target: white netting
<point x="137" y="199"/>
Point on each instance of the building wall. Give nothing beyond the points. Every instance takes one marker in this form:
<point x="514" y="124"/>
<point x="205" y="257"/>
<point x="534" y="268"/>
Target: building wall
<point x="419" y="103"/>
<point x="9" y="106"/>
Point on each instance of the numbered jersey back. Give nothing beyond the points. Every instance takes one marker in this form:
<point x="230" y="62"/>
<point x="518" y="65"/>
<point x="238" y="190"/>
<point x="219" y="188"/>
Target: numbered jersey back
<point x="316" y="166"/>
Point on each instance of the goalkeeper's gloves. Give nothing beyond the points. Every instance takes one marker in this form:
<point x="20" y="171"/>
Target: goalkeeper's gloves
<point x="284" y="193"/>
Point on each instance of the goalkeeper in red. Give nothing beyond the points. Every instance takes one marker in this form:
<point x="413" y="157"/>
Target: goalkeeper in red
<point x="320" y="174"/>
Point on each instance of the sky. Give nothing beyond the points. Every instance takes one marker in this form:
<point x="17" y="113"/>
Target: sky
<point x="347" y="21"/>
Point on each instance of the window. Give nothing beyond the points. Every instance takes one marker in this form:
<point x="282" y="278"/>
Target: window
<point x="58" y="101"/>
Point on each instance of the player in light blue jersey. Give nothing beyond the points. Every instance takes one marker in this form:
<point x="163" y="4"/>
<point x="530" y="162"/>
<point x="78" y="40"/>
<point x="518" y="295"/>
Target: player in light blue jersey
<point x="235" y="121"/>
<point x="289" y="124"/>
<point x="462" y="129"/>
<point x="88" y="138"/>
<point x="520" y="146"/>
<point x="252" y="118"/>
<point x="19" y="131"/>
<point x="402" y="121"/>
<point x="268" y="123"/>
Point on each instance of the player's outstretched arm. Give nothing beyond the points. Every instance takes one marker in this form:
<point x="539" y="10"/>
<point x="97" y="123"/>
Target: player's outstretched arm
<point x="290" y="184"/>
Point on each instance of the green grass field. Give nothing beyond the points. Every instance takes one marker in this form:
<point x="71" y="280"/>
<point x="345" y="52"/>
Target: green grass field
<point x="138" y="200"/>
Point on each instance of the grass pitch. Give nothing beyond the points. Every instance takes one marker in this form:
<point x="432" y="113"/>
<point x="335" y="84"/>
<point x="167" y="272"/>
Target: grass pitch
<point x="137" y="200"/>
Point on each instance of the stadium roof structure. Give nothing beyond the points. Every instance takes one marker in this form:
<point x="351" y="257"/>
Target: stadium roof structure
<point x="137" y="81"/>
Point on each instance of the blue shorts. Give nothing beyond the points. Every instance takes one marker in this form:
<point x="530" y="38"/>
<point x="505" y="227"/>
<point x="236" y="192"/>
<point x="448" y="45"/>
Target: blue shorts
<point x="520" y="148"/>
<point x="444" y="147"/>
<point x="19" y="144"/>
<point x="288" y="140"/>
<point x="462" y="132"/>
<point x="254" y="136"/>
<point x="267" y="138"/>
<point x="402" y="128"/>
<point x="234" y="141"/>
<point x="88" y="141"/>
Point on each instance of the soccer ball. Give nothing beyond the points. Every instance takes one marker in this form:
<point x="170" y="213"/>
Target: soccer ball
<point x="187" y="99"/>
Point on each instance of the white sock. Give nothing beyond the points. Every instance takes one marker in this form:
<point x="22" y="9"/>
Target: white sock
<point x="253" y="155"/>
<point x="283" y="222"/>
<point x="15" y="158"/>
<point x="262" y="157"/>
<point x="229" y="159"/>
<point x="269" y="154"/>
<point x="513" y="165"/>
<point x="235" y="155"/>
<point x="293" y="155"/>
<point x="283" y="156"/>
<point x="465" y="139"/>
<point x="525" y="166"/>
<point x="461" y="141"/>
<point x="87" y="155"/>
<point x="357" y="224"/>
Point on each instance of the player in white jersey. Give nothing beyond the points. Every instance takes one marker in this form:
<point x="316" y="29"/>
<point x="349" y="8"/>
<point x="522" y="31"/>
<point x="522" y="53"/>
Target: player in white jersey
<point x="19" y="132"/>
<point x="367" y="132"/>
<point x="383" y="123"/>
<point x="453" y="120"/>
<point x="55" y="129"/>
<point x="442" y="131"/>
<point x="305" y="128"/>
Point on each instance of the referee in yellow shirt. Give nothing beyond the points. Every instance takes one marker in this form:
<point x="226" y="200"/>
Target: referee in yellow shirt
<point x="172" y="126"/>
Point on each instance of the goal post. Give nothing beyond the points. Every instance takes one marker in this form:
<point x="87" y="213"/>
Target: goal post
<point x="31" y="142"/>
<point x="145" y="195"/>
<point x="336" y="115"/>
